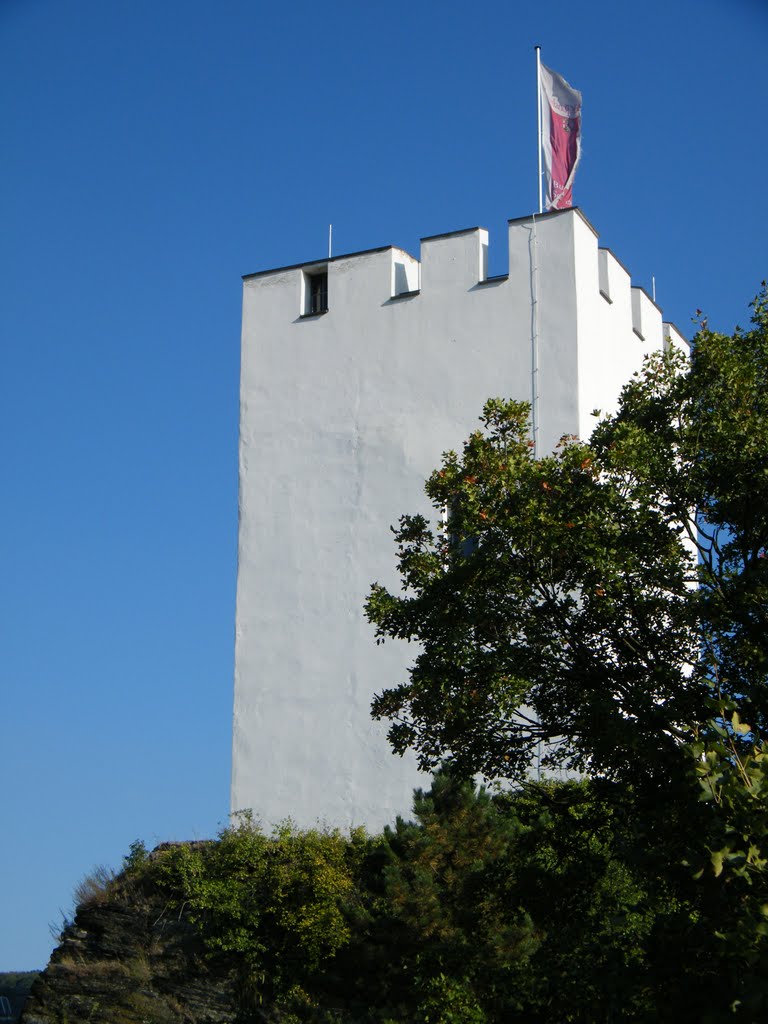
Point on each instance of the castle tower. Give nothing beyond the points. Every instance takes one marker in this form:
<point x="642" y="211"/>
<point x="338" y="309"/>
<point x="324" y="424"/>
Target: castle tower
<point x="357" y="373"/>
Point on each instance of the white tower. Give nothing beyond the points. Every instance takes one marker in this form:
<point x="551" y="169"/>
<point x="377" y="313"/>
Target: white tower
<point x="357" y="373"/>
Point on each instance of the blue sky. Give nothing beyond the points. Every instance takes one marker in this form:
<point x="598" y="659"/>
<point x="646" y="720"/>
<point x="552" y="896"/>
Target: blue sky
<point x="153" y="152"/>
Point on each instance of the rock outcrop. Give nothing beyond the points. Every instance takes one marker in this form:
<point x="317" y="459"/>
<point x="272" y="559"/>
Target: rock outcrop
<point x="129" y="958"/>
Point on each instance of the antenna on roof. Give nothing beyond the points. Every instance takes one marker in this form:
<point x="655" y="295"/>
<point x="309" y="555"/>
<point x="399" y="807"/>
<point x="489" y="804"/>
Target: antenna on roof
<point x="330" y="239"/>
<point x="653" y="286"/>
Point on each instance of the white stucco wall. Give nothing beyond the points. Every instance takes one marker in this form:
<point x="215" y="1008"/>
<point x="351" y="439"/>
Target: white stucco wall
<point x="343" y="415"/>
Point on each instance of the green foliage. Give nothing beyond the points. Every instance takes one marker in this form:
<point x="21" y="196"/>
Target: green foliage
<point x="449" y="900"/>
<point x="545" y="903"/>
<point x="697" y="441"/>
<point x="448" y="1001"/>
<point x="137" y="859"/>
<point x="564" y="624"/>
<point x="693" y="442"/>
<point x="275" y="902"/>
<point x="559" y="901"/>
<point x="731" y="765"/>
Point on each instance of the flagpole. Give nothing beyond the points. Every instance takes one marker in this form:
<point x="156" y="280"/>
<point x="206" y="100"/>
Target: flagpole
<point x="535" y="283"/>
<point x="535" y="332"/>
<point x="537" y="48"/>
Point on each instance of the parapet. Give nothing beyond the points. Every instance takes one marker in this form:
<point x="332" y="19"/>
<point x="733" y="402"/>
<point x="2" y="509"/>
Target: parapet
<point x="560" y="246"/>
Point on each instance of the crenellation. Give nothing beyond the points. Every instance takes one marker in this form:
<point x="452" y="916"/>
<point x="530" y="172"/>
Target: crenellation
<point x="406" y="273"/>
<point x="613" y="275"/>
<point x="455" y="260"/>
<point x="646" y="317"/>
<point x="359" y="281"/>
<point x="459" y="259"/>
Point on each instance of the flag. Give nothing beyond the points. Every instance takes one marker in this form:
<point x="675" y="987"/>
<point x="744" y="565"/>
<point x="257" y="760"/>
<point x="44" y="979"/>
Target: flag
<point x="561" y="137"/>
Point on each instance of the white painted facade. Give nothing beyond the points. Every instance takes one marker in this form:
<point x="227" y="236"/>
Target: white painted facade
<point x="342" y="417"/>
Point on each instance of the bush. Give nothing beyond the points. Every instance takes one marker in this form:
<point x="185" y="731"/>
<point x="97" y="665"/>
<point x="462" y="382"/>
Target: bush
<point x="274" y="902"/>
<point x="94" y="887"/>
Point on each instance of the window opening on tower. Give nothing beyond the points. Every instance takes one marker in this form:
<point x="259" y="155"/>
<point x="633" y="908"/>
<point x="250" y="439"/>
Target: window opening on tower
<point x="316" y="292"/>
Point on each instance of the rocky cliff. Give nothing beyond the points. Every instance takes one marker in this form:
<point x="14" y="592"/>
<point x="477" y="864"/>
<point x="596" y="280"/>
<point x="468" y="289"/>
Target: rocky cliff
<point x="129" y="958"/>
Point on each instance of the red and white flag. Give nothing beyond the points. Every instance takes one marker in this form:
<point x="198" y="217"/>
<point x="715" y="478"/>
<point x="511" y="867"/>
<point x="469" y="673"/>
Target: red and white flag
<point x="561" y="137"/>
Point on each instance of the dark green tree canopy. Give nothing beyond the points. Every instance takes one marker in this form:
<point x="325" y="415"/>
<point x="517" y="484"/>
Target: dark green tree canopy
<point x="602" y="601"/>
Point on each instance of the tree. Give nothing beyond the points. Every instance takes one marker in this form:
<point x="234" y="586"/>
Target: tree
<point x="608" y="605"/>
<point x="606" y="601"/>
<point x="527" y="906"/>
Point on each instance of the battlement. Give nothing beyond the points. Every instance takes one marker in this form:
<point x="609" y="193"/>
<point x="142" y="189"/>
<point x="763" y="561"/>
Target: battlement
<point x="459" y="260"/>
<point x="565" y="301"/>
